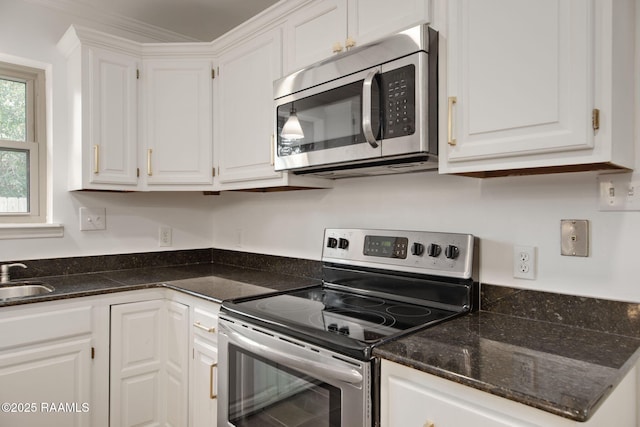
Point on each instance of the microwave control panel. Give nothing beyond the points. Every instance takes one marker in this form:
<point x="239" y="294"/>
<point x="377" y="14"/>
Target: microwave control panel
<point x="399" y="101"/>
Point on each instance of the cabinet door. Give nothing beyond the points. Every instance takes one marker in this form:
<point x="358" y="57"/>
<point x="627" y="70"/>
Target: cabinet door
<point x="178" y="117"/>
<point x="245" y="103"/>
<point x="371" y="20"/>
<point x="40" y="379"/>
<point x="112" y="120"/>
<point x="204" y="387"/>
<point x="203" y="384"/>
<point x="520" y="82"/>
<point x="314" y="32"/>
<point x="149" y="365"/>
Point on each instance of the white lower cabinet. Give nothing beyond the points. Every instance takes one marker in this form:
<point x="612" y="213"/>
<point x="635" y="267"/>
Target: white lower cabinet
<point x="46" y="365"/>
<point x="149" y="363"/>
<point x="409" y="397"/>
<point x="203" y="385"/>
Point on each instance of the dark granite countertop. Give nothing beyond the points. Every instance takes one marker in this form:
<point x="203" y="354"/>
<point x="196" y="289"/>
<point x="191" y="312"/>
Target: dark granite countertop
<point x="215" y="282"/>
<point x="562" y="369"/>
<point x="559" y="353"/>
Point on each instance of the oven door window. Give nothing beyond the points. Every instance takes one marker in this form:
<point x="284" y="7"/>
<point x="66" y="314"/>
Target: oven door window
<point x="263" y="393"/>
<point x="329" y="119"/>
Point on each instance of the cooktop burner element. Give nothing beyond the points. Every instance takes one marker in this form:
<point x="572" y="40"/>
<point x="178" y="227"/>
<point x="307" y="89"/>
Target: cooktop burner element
<point x="377" y="285"/>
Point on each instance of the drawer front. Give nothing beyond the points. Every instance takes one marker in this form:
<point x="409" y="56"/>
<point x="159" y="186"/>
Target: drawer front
<point x="205" y="321"/>
<point x="30" y="327"/>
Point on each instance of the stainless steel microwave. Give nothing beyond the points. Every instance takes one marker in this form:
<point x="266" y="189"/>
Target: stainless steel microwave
<point x="369" y="111"/>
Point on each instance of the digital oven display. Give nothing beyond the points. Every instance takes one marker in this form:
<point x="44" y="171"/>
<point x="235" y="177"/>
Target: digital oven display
<point x="386" y="247"/>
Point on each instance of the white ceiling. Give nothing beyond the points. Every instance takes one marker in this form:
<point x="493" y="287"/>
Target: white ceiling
<point x="202" y="20"/>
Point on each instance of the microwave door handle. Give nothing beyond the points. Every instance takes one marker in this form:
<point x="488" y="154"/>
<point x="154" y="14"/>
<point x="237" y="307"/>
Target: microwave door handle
<point x="322" y="370"/>
<point x="367" y="127"/>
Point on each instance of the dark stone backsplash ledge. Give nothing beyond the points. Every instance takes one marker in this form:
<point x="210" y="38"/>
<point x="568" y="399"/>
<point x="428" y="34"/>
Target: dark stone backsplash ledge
<point x="103" y="263"/>
<point x="608" y="316"/>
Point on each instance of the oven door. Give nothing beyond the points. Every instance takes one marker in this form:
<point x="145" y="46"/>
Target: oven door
<point x="271" y="380"/>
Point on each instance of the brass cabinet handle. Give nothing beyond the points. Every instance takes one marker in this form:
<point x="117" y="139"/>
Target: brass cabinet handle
<point x="149" y="170"/>
<point x="273" y="149"/>
<point x="337" y="47"/>
<point x="349" y="43"/>
<point x="450" y="139"/>
<point x="96" y="159"/>
<point x="429" y="424"/>
<point x="212" y="395"/>
<point x="199" y="325"/>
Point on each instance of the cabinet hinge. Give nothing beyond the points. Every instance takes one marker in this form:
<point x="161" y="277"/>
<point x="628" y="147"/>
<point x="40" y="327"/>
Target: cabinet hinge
<point x="138" y="74"/>
<point x="595" y="119"/>
<point x="213" y="171"/>
<point x="93" y="352"/>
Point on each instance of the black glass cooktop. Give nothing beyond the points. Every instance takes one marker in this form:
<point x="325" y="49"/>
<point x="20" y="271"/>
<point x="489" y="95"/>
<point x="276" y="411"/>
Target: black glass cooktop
<point x="335" y="319"/>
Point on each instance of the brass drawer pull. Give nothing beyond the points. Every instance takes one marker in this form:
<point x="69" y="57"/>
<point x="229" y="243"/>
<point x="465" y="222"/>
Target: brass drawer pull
<point x="212" y="395"/>
<point x="209" y="329"/>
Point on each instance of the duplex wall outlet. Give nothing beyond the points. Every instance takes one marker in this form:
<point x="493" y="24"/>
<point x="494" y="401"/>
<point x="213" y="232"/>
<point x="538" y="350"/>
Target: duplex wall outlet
<point x="164" y="236"/>
<point x="524" y="262"/>
<point x="93" y="219"/>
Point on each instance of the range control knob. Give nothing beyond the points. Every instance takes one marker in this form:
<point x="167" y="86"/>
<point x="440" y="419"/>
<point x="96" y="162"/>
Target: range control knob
<point x="332" y="242"/>
<point x="343" y="243"/>
<point x="344" y="330"/>
<point x="417" y="249"/>
<point x="434" y="250"/>
<point x="451" y="252"/>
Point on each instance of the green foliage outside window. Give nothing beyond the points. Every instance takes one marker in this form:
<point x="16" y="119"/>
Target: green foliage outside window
<point x="13" y="164"/>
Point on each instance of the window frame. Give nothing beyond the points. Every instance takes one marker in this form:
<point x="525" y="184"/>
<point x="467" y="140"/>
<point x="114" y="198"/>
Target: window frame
<point x="35" y="144"/>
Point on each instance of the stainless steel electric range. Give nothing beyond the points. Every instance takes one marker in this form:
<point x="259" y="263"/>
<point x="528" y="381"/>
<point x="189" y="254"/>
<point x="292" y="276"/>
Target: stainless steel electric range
<point x="304" y="357"/>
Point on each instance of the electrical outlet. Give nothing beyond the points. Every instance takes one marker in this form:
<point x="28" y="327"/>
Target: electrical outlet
<point x="93" y="219"/>
<point x="164" y="236"/>
<point x="524" y="262"/>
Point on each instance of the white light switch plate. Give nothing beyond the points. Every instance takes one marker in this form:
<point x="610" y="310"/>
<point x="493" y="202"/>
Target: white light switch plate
<point x="619" y="192"/>
<point x="93" y="219"/>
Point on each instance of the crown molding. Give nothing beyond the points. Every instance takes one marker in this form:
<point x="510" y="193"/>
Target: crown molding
<point x="78" y="9"/>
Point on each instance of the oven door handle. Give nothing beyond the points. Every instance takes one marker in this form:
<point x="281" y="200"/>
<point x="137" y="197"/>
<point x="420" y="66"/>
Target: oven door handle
<point x="367" y="125"/>
<point x="321" y="370"/>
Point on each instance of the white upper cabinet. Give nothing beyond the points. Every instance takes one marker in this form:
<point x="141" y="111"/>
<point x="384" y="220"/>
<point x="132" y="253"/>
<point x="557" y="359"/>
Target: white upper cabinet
<point x="245" y="118"/>
<point x="371" y="20"/>
<point x="177" y="116"/>
<point x="526" y="83"/>
<point x="328" y="27"/>
<point x="102" y="112"/>
<point x="244" y="100"/>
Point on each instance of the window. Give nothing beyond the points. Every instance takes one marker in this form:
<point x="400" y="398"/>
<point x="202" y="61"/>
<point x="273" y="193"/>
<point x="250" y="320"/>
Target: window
<point x="22" y="144"/>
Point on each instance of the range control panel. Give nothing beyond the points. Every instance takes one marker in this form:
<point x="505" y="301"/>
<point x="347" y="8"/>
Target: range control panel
<point x="441" y="254"/>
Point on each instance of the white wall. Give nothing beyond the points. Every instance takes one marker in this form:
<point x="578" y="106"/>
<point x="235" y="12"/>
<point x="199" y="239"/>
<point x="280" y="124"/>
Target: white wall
<point x="31" y="32"/>
<point x="500" y="211"/>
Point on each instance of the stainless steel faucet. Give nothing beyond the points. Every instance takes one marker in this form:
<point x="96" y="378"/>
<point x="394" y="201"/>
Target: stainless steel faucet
<point x="4" y="271"/>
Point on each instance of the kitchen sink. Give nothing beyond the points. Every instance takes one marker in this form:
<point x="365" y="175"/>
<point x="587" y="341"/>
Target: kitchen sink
<point x="23" y="290"/>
